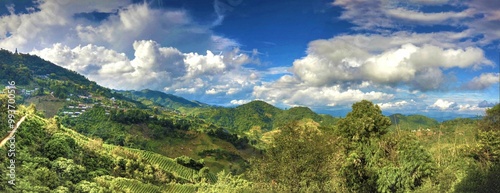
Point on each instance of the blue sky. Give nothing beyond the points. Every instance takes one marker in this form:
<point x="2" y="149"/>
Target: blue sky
<point x="432" y="57"/>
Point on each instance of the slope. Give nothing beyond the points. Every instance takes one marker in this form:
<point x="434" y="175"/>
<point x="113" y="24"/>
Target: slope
<point x="55" y="158"/>
<point x="161" y="98"/>
<point x="412" y="122"/>
<point x="262" y="116"/>
<point x="52" y="87"/>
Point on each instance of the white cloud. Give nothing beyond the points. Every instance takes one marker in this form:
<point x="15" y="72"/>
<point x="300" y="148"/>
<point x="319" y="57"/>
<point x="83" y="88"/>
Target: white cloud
<point x="381" y="14"/>
<point x="239" y="102"/>
<point x="444" y="105"/>
<point x="482" y="82"/>
<point x="425" y="18"/>
<point x="397" y="104"/>
<point x="466" y="107"/>
<point x="470" y="108"/>
<point x="57" y="22"/>
<point x="159" y="68"/>
<point x="172" y="28"/>
<point x="277" y="70"/>
<point x="349" y="68"/>
<point x="52" y="24"/>
<point x="290" y="91"/>
<point x="430" y="2"/>
<point x="488" y="23"/>
<point x="480" y="18"/>
<point x="418" y="64"/>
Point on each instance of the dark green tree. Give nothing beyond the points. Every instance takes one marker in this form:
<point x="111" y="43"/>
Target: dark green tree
<point x="360" y="130"/>
<point x="489" y="136"/>
<point x="57" y="147"/>
<point x="297" y="161"/>
<point x="401" y="163"/>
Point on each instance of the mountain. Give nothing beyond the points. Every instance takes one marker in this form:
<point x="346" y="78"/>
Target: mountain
<point x="24" y="68"/>
<point x="259" y="114"/>
<point x="412" y="122"/>
<point x="161" y="98"/>
<point x="51" y="87"/>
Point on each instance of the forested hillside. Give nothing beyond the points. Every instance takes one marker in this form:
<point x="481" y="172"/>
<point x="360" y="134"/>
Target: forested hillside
<point x="412" y="122"/>
<point x="52" y="158"/>
<point x="23" y="68"/>
<point x="261" y="115"/>
<point x="161" y="98"/>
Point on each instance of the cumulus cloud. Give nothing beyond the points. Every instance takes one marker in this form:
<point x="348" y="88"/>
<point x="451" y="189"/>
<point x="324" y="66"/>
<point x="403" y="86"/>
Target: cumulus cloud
<point x="51" y="24"/>
<point x="57" y="22"/>
<point x="472" y="109"/>
<point x="134" y="46"/>
<point x="397" y="104"/>
<point x="239" y="102"/>
<point x="171" y="28"/>
<point x="417" y="64"/>
<point x="483" y="81"/>
<point x="157" y="67"/>
<point x="290" y="91"/>
<point x="444" y="105"/>
<point x="467" y="107"/>
<point x="349" y="68"/>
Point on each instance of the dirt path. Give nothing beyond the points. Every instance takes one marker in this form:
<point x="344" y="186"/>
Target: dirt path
<point x="4" y="140"/>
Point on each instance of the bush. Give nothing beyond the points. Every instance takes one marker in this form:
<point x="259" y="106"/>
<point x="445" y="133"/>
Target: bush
<point x="190" y="162"/>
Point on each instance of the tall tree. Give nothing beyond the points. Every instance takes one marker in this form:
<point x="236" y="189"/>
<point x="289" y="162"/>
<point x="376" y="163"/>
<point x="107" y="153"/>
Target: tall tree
<point x="360" y="130"/>
<point x="297" y="161"/>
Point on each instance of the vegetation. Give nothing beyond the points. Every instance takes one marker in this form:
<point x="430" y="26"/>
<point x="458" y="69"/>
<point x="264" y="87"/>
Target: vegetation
<point x="161" y="98"/>
<point x="411" y="122"/>
<point x="133" y="143"/>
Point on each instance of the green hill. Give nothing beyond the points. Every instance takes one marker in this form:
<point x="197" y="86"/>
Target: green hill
<point x="161" y="98"/>
<point x="52" y="87"/>
<point x="51" y="158"/>
<point x="262" y="115"/>
<point x="24" y="68"/>
<point x="412" y="122"/>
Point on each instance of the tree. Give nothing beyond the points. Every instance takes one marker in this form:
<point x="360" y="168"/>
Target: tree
<point x="59" y="146"/>
<point x="487" y="153"/>
<point x="226" y="183"/>
<point x="297" y="161"/>
<point x="68" y="170"/>
<point x="46" y="177"/>
<point x="488" y="149"/>
<point x="360" y="130"/>
<point x="401" y="164"/>
<point x="377" y="161"/>
<point x="363" y="123"/>
<point x="491" y="122"/>
<point x="190" y="162"/>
